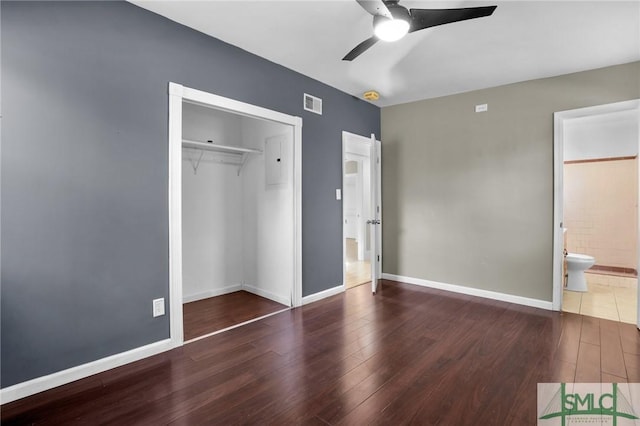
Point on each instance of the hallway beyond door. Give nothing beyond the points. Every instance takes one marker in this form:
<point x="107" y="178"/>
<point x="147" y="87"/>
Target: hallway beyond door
<point x="357" y="271"/>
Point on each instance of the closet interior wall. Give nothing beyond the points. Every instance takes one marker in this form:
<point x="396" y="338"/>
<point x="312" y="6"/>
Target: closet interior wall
<point x="237" y="228"/>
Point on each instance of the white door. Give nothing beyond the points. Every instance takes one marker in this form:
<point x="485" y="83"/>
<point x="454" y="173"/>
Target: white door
<point x="375" y="215"/>
<point x="366" y="151"/>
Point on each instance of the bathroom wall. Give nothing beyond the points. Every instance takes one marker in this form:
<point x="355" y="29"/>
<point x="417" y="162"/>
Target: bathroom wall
<point x="600" y="211"/>
<point x="601" y="187"/>
<point x="609" y="135"/>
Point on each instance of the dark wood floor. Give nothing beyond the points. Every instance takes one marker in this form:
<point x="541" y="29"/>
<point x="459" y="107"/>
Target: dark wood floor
<point x="406" y="355"/>
<point x="217" y="313"/>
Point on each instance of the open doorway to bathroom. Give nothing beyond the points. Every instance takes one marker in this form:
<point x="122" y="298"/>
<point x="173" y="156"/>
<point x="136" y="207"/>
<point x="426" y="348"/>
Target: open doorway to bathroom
<point x="599" y="171"/>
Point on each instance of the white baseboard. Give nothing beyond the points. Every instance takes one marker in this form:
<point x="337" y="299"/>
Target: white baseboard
<point x="211" y="293"/>
<point x="266" y="294"/>
<point x="487" y="294"/>
<point x="40" y="384"/>
<point x="322" y="295"/>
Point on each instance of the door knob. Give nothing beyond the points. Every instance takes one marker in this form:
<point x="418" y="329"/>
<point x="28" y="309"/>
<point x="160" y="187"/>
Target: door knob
<point x="373" y="222"/>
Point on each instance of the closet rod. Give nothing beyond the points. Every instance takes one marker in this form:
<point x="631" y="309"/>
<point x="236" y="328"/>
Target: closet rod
<point x="210" y="146"/>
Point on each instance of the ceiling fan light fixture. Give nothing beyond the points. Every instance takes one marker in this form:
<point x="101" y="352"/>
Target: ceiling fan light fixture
<point x="391" y="21"/>
<point x="390" y="29"/>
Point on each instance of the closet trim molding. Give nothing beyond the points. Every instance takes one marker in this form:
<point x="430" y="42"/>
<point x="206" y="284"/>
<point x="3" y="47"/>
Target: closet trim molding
<point x="177" y="95"/>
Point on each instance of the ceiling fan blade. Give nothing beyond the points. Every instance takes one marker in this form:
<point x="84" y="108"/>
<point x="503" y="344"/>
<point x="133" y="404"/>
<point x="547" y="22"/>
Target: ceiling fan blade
<point x="375" y="7"/>
<point x="360" y="49"/>
<point x="426" y="18"/>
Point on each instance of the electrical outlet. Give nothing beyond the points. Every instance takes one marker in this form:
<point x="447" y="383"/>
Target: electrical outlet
<point x="482" y="108"/>
<point x="158" y="307"/>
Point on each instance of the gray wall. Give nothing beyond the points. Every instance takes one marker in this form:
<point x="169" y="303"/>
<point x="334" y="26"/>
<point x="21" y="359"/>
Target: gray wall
<point x="468" y="197"/>
<point x="85" y="174"/>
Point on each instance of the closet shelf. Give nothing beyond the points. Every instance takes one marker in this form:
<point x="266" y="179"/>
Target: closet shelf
<point x="210" y="146"/>
<point x="243" y="153"/>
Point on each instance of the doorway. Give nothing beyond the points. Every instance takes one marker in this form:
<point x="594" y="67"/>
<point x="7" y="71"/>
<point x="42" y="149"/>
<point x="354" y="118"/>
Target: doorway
<point x="596" y="185"/>
<point x="361" y="213"/>
<point x="235" y="213"/>
<point x="357" y="238"/>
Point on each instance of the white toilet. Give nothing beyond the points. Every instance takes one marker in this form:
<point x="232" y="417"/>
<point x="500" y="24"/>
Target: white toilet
<point x="576" y="265"/>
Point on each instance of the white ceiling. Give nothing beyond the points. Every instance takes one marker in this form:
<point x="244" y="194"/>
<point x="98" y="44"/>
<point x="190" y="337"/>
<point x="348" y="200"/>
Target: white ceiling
<point x="523" y="40"/>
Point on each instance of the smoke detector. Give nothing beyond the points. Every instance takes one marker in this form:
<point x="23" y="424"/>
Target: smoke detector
<point x="371" y="95"/>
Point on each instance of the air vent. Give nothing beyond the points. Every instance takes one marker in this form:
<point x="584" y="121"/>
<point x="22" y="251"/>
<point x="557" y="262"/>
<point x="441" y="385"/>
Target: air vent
<point x="313" y="104"/>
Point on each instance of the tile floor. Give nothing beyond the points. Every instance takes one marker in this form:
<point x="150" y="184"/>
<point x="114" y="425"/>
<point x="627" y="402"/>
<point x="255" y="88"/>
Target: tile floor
<point x="609" y="297"/>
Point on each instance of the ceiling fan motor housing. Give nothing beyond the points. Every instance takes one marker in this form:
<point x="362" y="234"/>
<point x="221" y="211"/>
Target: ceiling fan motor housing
<point x="397" y="11"/>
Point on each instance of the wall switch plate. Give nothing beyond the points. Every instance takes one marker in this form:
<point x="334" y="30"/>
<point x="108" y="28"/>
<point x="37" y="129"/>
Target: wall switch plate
<point x="338" y="194"/>
<point x="158" y="307"/>
<point x="482" y="108"/>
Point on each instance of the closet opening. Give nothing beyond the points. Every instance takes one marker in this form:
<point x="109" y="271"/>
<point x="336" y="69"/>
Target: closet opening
<point x="235" y="213"/>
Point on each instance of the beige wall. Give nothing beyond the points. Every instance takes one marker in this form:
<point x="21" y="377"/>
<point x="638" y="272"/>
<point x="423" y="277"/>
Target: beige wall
<point x="600" y="211"/>
<point x="468" y="197"/>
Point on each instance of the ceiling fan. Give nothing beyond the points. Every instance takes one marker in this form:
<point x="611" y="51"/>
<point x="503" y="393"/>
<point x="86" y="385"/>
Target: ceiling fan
<point x="391" y="21"/>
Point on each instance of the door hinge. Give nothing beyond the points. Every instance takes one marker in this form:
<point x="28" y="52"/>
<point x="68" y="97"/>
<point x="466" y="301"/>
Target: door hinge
<point x="378" y="258"/>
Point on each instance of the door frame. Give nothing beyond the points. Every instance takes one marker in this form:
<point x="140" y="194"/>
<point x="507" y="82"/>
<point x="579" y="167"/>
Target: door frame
<point x="376" y="196"/>
<point x="559" y="119"/>
<point x="348" y="137"/>
<point x="177" y="95"/>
